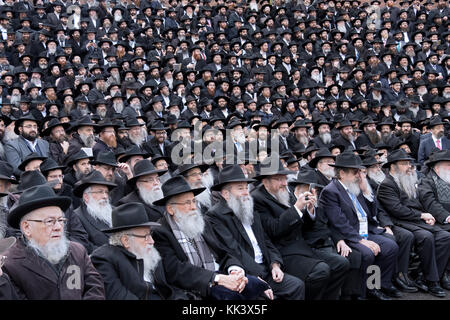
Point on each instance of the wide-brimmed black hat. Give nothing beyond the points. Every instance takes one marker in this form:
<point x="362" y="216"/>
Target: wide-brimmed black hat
<point x="105" y="123"/>
<point x="185" y="167"/>
<point x="7" y="172"/>
<point x="397" y="155"/>
<point x="306" y="176"/>
<point x="106" y="157"/>
<point x="53" y="123"/>
<point x="386" y="122"/>
<point x="19" y="122"/>
<point x="76" y="157"/>
<point x="35" y="198"/>
<point x="93" y="178"/>
<point x="129" y="215"/>
<point x="175" y="186"/>
<point x="437" y="156"/>
<point x="348" y="159"/>
<point x="229" y="174"/>
<point x="30" y="179"/>
<point x="32" y="156"/>
<point x="267" y="168"/>
<point x="322" y="153"/>
<point x="435" y="121"/>
<point x="132" y="151"/>
<point x="49" y="164"/>
<point x="84" y="121"/>
<point x="143" y="168"/>
<point x="370" y="161"/>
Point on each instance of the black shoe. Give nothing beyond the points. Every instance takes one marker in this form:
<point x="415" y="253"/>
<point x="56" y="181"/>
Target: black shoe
<point x="420" y="284"/>
<point x="445" y="282"/>
<point x="392" y="292"/>
<point x="377" y="295"/>
<point x="435" y="289"/>
<point x="404" y="284"/>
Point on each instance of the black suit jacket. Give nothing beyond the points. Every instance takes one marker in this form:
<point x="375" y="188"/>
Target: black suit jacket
<point x="93" y="228"/>
<point x="231" y="232"/>
<point x="154" y="213"/>
<point x="179" y="271"/>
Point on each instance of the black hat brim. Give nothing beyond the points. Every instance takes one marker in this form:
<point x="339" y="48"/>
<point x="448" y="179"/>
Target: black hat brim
<point x="122" y="228"/>
<point x="387" y="164"/>
<point x="280" y="172"/>
<point x="132" y="181"/>
<point x="162" y="202"/>
<point x="78" y="190"/>
<point x="218" y="187"/>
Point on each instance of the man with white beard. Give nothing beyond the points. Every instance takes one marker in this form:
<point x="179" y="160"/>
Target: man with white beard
<point x="283" y="221"/>
<point x="300" y="138"/>
<point x="146" y="188"/>
<point x="44" y="256"/>
<point x="240" y="229"/>
<point x="193" y="173"/>
<point x="399" y="197"/>
<point x="190" y="249"/>
<point x="346" y="137"/>
<point x="323" y="129"/>
<point x="321" y="163"/>
<point x="95" y="209"/>
<point x="130" y="264"/>
<point x="136" y="131"/>
<point x="83" y="137"/>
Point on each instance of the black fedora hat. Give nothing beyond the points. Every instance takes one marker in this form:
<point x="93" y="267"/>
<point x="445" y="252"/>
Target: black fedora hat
<point x="370" y="161"/>
<point x="129" y="215"/>
<point x="397" y="155"/>
<point x="305" y="176"/>
<point x="437" y="156"/>
<point x="185" y="167"/>
<point x="32" y="178"/>
<point x="84" y="121"/>
<point x="132" y="151"/>
<point x="32" y="156"/>
<point x="229" y="174"/>
<point x="105" y="123"/>
<point x="348" y="159"/>
<point x="54" y="122"/>
<point x="93" y="178"/>
<point x="266" y="168"/>
<point x="322" y="153"/>
<point x="34" y="198"/>
<point x="49" y="164"/>
<point x="175" y="186"/>
<point x="435" y="121"/>
<point x="80" y="155"/>
<point x="19" y="122"/>
<point x="7" y="172"/>
<point x="106" y="157"/>
<point x="143" y="168"/>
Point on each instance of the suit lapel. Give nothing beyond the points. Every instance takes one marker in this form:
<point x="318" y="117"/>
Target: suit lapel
<point x="99" y="225"/>
<point x="241" y="229"/>
<point x="344" y="195"/>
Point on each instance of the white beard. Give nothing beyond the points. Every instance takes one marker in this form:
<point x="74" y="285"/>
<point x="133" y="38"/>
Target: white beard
<point x="329" y="173"/>
<point x="283" y="197"/>
<point x="88" y="141"/>
<point x="100" y="210"/>
<point x="137" y="139"/>
<point x="10" y="135"/>
<point x="407" y="183"/>
<point x="446" y="95"/>
<point x="191" y="224"/>
<point x="378" y="177"/>
<point x="342" y="28"/>
<point x="15" y="98"/>
<point x="208" y="179"/>
<point x="353" y="187"/>
<point x="150" y="256"/>
<point x="53" y="251"/>
<point x="242" y="208"/>
<point x="317" y="78"/>
<point x="414" y="110"/>
<point x="240" y="139"/>
<point x="150" y="196"/>
<point x="204" y="198"/>
<point x="118" y="107"/>
<point x="325" y="137"/>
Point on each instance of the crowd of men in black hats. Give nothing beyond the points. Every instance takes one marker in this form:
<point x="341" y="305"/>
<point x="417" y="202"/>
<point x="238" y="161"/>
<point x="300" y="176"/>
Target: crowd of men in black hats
<point x="224" y="149"/>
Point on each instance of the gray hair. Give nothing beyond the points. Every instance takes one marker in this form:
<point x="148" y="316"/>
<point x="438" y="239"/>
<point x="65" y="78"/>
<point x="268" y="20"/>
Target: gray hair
<point x="87" y="190"/>
<point x="114" y="238"/>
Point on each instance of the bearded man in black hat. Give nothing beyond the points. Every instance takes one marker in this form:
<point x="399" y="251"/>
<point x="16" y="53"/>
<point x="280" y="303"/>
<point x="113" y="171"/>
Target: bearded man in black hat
<point x="240" y="229"/>
<point x="44" y="264"/>
<point x="130" y="264"/>
<point x="194" y="258"/>
<point x="437" y="139"/>
<point x="58" y="140"/>
<point x="83" y="136"/>
<point x="399" y="196"/>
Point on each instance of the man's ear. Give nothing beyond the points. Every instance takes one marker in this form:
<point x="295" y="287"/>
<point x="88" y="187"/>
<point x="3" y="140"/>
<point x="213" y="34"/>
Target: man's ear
<point x="125" y="241"/>
<point x="25" y="227"/>
<point x="225" y="194"/>
<point x="85" y="198"/>
<point x="169" y="209"/>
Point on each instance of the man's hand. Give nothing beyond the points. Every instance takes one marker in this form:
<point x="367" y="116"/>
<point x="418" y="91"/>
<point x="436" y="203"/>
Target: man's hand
<point x="232" y="281"/>
<point x="448" y="219"/>
<point x="343" y="248"/>
<point x="301" y="201"/>
<point x="373" y="246"/>
<point x="126" y="169"/>
<point x="65" y="146"/>
<point x="428" y="218"/>
<point x="269" y="294"/>
<point x="363" y="184"/>
<point x="389" y="230"/>
<point x="277" y="274"/>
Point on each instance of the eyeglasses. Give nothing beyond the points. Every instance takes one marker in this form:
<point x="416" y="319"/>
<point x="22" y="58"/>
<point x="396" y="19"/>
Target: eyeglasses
<point x="2" y="260"/>
<point x="54" y="177"/>
<point x="186" y="203"/>
<point x="150" y="180"/>
<point x="30" y="126"/>
<point x="50" y="222"/>
<point x="100" y="192"/>
<point x="146" y="237"/>
<point x="194" y="174"/>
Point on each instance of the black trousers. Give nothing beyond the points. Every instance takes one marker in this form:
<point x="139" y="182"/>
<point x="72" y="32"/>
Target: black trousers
<point x="339" y="267"/>
<point x="290" y="288"/>
<point x="405" y="240"/>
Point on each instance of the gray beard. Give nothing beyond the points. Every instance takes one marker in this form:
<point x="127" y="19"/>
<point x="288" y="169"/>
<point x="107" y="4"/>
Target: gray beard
<point x="373" y="136"/>
<point x="151" y="259"/>
<point x="353" y="187"/>
<point x="385" y="136"/>
<point x="118" y="107"/>
<point x="137" y="140"/>
<point x="83" y="111"/>
<point x="53" y="251"/>
<point x="3" y="212"/>
<point x="407" y="183"/>
<point x="283" y="197"/>
<point x="204" y="198"/>
<point x="414" y="110"/>
<point x="378" y="177"/>
<point x="100" y="212"/>
<point x="152" y="196"/>
<point x="208" y="179"/>
<point x="15" y="99"/>
<point x="303" y="140"/>
<point x="191" y="224"/>
<point x="88" y="141"/>
<point x="329" y="173"/>
<point x="325" y="137"/>
<point x="242" y="208"/>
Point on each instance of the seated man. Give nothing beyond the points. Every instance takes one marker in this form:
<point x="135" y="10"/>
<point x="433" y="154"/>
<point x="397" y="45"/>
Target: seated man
<point x="351" y="211"/>
<point x="398" y="195"/>
<point x="130" y="265"/>
<point x="241" y="231"/>
<point x="190" y="250"/>
<point x="44" y="264"/>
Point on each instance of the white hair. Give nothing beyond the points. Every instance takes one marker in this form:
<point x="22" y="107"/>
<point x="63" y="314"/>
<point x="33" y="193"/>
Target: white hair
<point x="406" y="182"/>
<point x="190" y="223"/>
<point x="242" y="208"/>
<point x="149" y="196"/>
<point x="283" y="197"/>
<point x="100" y="210"/>
<point x="53" y="251"/>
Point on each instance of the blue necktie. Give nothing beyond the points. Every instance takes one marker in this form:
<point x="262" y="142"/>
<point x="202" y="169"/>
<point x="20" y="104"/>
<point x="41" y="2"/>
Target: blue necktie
<point x="357" y="205"/>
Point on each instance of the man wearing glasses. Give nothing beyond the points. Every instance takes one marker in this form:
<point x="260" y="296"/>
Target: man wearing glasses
<point x="130" y="264"/>
<point x="351" y="210"/>
<point x="18" y="149"/>
<point x="44" y="264"/>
